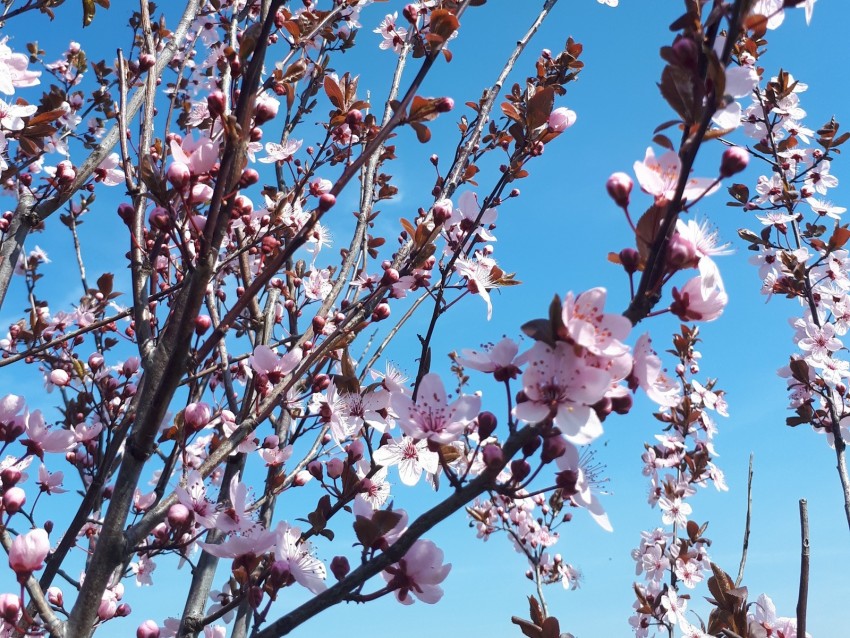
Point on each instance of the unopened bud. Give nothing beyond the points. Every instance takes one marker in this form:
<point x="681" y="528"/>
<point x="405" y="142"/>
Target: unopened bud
<point x="619" y="187"/>
<point x="735" y="159"/>
<point x="486" y="424"/>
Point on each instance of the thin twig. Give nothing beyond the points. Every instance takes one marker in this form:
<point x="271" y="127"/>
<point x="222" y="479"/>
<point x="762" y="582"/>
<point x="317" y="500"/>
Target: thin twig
<point x="803" y="597"/>
<point x="746" y="524"/>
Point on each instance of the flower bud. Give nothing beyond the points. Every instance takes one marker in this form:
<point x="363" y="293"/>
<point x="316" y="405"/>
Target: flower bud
<point x="492" y="455"/>
<point x="355" y="451"/>
<point x="340" y="567"/>
<point x="553" y="448"/>
<point x="10" y="608"/>
<point x="178" y="175"/>
<point x="444" y="104"/>
<point x="55" y="596"/>
<point x="196" y="416"/>
<point x="146" y="61"/>
<point x="216" y="103"/>
<point x="248" y="178"/>
<point x="681" y="253"/>
<point x="381" y="312"/>
<point x="148" y="629"/>
<point x="520" y="469"/>
<point x="530" y="446"/>
<point x="486" y="424"/>
<point x="202" y="324"/>
<point x="630" y="259"/>
<point x="735" y="159"/>
<point x="619" y="187"/>
<point x="326" y="202"/>
<point x="14" y="499"/>
<point x="179" y="516"/>
<point x="315" y="469"/>
<point x="334" y="468"/>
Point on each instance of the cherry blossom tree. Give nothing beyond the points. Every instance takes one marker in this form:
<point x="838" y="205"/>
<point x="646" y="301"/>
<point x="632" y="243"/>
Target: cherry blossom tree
<point x="241" y="409"/>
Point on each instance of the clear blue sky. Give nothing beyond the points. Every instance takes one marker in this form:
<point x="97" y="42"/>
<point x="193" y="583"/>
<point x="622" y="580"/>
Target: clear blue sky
<point x="556" y="237"/>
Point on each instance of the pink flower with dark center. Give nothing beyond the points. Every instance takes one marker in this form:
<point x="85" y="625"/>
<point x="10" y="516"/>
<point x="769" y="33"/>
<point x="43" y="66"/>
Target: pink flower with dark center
<point x="307" y="570"/>
<point x="419" y="573"/>
<point x="411" y="457"/>
<point x="432" y="416"/>
<point x="660" y="176"/>
<point x="559" y="384"/>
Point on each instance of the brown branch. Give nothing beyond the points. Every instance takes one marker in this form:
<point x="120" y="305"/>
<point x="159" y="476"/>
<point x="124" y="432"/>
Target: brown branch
<point x="746" y="525"/>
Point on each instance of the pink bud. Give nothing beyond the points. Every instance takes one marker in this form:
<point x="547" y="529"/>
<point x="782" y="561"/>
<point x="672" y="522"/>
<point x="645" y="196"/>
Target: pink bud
<point x="215" y="103"/>
<point x="619" y="187"/>
<point x="520" y="469"/>
<point x="197" y="416"/>
<point x="28" y="552"/>
<point x="444" y="104"/>
<point x="202" y="324"/>
<point x="381" y="312"/>
<point x="326" y="202"/>
<point x="55" y="597"/>
<point x="486" y="424"/>
<point x="146" y="61"/>
<point x="265" y="109"/>
<point x="340" y="567"/>
<point x="59" y="377"/>
<point x="14" y="499"/>
<point x="492" y="455"/>
<point x="179" y="175"/>
<point x="553" y="448"/>
<point x="148" y="629"/>
<point x="355" y="451"/>
<point x="334" y="468"/>
<point x="315" y="469"/>
<point x="95" y="361"/>
<point x="735" y="159"/>
<point x="561" y="119"/>
<point x="179" y="516"/>
<point x="10" y="608"/>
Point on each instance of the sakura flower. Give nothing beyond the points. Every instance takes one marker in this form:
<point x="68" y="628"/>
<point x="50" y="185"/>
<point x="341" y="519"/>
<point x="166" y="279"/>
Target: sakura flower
<point x="41" y="439"/>
<point x="647" y="373"/>
<point x="281" y="152"/>
<point x="675" y="511"/>
<point x="267" y="363"/>
<point x="108" y="172"/>
<point x="393" y="35"/>
<point x="820" y="179"/>
<point x="498" y="360"/>
<point x="199" y="156"/>
<point x="255" y="541"/>
<point x="193" y="496"/>
<point x="692" y="303"/>
<point x="419" y="573"/>
<point x="659" y="177"/>
<point x="236" y="516"/>
<point x="825" y="208"/>
<point x="464" y="215"/>
<point x="591" y="328"/>
<point x="50" y="482"/>
<point x="705" y="244"/>
<point x="410" y="455"/>
<point x="11" y="115"/>
<point x="432" y="417"/>
<point x="479" y="278"/>
<point x="575" y="482"/>
<point x="307" y="570"/>
<point x="819" y="341"/>
<point x="559" y="383"/>
<point x="13" y="70"/>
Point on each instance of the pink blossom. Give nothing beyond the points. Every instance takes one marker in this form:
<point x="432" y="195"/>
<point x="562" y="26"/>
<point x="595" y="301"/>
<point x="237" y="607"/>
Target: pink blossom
<point x="198" y="155"/>
<point x="590" y="327"/>
<point x="559" y="384"/>
<point x="267" y="363"/>
<point x="307" y="570"/>
<point x="648" y="374"/>
<point x="411" y="457"/>
<point x="692" y="303"/>
<point x="255" y="541"/>
<point x="50" y="482"/>
<point x="393" y="35"/>
<point x="281" y="152"/>
<point x="28" y="552"/>
<point x="419" y="573"/>
<point x="572" y="469"/>
<point x="659" y="177"/>
<point x="498" y="360"/>
<point x="13" y="70"/>
<point x="431" y="416"/>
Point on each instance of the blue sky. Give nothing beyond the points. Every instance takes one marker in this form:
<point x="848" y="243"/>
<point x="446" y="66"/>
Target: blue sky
<point x="556" y="237"/>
